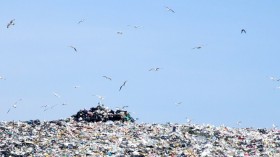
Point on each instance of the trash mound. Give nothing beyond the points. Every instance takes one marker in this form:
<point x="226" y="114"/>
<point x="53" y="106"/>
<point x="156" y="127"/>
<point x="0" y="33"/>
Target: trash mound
<point x="100" y="132"/>
<point x="102" y="114"/>
<point x="69" y="138"/>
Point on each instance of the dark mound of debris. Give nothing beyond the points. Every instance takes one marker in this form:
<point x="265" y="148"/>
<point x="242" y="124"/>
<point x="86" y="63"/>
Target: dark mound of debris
<point x="102" y="114"/>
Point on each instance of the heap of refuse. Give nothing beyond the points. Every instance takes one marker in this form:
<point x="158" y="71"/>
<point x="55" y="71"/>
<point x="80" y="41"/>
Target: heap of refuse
<point x="103" y="114"/>
<point x="120" y="138"/>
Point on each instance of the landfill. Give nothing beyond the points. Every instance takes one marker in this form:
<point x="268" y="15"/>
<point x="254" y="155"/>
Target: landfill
<point x="101" y="132"/>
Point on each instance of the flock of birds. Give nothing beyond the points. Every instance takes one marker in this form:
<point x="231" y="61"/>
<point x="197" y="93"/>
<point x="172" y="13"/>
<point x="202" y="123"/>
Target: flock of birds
<point x="101" y="98"/>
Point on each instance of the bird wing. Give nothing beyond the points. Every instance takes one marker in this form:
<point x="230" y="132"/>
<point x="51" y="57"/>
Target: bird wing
<point x="9" y="24"/>
<point x="121" y="88"/>
<point x="107" y="77"/>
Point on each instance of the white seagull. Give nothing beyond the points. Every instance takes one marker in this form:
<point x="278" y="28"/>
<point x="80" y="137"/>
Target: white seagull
<point x="108" y="78"/>
<point x="2" y="78"/>
<point x="243" y="31"/>
<point x="81" y="21"/>
<point x="14" y="105"/>
<point x="122" y="85"/>
<point x="76" y="86"/>
<point x="57" y="95"/>
<point x="239" y="123"/>
<point x="154" y="69"/>
<point x="100" y="98"/>
<point x="178" y="103"/>
<point x="11" y="23"/>
<point x="169" y="9"/>
<point x="124" y="107"/>
<point x="197" y="47"/>
<point x="274" y="78"/>
<point x="188" y="120"/>
<point x="44" y="106"/>
<point x="136" y="27"/>
<point x="74" y="48"/>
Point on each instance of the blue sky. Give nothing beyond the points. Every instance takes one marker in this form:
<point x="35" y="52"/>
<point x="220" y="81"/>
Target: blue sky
<point x="225" y="81"/>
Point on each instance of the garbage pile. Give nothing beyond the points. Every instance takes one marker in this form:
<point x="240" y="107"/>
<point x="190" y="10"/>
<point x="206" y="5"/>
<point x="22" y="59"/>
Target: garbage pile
<point x="101" y="113"/>
<point x="71" y="137"/>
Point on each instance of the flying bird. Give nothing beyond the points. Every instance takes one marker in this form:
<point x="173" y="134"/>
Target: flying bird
<point x="81" y="21"/>
<point x="122" y="85"/>
<point x="120" y="33"/>
<point x="11" y="23"/>
<point x="16" y="102"/>
<point x="154" y="69"/>
<point x="178" y="103"/>
<point x="197" y="47"/>
<point x="74" y="48"/>
<point x="135" y="26"/>
<point x="239" y="123"/>
<point x="2" y="78"/>
<point x="100" y="98"/>
<point x="50" y="107"/>
<point x="44" y="106"/>
<point x="108" y="78"/>
<point x="9" y="110"/>
<point x="14" y="105"/>
<point x="124" y="107"/>
<point x="169" y="9"/>
<point x="243" y="31"/>
<point x="76" y="86"/>
<point x="188" y="120"/>
<point x="57" y="95"/>
<point x="274" y="78"/>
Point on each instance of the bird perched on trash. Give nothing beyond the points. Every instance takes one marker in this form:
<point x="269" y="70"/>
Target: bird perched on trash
<point x="243" y="31"/>
<point x="11" y="23"/>
<point x="122" y="85"/>
<point x="169" y="9"/>
<point x="108" y="78"/>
